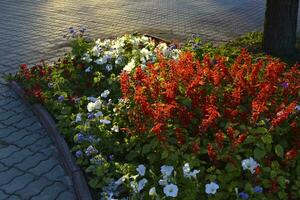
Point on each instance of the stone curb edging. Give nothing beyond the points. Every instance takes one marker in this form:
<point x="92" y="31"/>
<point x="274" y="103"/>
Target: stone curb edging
<point x="74" y="172"/>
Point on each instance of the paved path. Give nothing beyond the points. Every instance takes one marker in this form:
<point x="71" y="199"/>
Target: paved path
<point x="32" y="29"/>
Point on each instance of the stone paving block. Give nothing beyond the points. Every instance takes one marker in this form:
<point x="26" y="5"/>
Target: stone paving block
<point x="31" y="161"/>
<point x="16" y="157"/>
<point x="14" y="197"/>
<point x="27" y="140"/>
<point x="52" y="192"/>
<point x="8" y="175"/>
<point x="17" y="183"/>
<point x="4" y="132"/>
<point x="42" y="144"/>
<point x="16" y="136"/>
<point x="7" y="151"/>
<point x="44" y="166"/>
<point x="3" y="195"/>
<point x="25" y="122"/>
<point x="33" y="188"/>
<point x="66" y="195"/>
<point x="3" y="167"/>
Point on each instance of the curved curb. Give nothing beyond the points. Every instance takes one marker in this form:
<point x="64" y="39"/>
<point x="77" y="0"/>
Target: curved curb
<point x="74" y="172"/>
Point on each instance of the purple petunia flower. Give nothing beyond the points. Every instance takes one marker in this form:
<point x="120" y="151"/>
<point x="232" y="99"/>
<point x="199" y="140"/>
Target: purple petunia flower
<point x="110" y="158"/>
<point x="80" y="137"/>
<point x="78" y="154"/>
<point x="258" y="189"/>
<point x="91" y="150"/>
<point x="244" y="195"/>
<point x="61" y="98"/>
<point x="91" y="116"/>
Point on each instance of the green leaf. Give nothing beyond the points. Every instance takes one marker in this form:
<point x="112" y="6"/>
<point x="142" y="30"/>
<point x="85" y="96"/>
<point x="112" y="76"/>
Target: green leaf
<point x="94" y="183"/>
<point x="146" y="149"/>
<point x="131" y="156"/>
<point x="164" y="154"/>
<point x="267" y="139"/>
<point x="279" y="150"/>
<point x="281" y="181"/>
<point x="259" y="153"/>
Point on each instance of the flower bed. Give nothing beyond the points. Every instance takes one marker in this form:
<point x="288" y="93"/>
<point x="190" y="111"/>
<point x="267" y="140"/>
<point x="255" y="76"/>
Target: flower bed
<point x="148" y="121"/>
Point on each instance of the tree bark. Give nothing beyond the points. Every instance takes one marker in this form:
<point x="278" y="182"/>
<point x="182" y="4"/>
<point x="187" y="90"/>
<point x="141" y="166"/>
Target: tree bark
<point x="280" y="29"/>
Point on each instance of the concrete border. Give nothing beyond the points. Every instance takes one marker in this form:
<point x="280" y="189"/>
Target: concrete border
<point x="74" y="172"/>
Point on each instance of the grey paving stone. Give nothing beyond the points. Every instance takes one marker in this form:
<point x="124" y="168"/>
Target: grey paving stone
<point x="7" y="151"/>
<point x="34" y="188"/>
<point x="52" y="192"/>
<point x="4" y="132"/>
<point x="66" y="195"/>
<point x="31" y="161"/>
<point x="16" y="157"/>
<point x="17" y="183"/>
<point x="44" y="166"/>
<point x="3" y="195"/>
<point x="8" y="175"/>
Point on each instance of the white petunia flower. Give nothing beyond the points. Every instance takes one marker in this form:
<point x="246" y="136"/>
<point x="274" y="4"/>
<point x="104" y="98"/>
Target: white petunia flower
<point x="145" y="53"/>
<point x="106" y="43"/>
<point x="145" y="39"/>
<point x="78" y="118"/>
<point x="130" y="66"/>
<point x="211" y="188"/>
<point x="119" y="61"/>
<point x="166" y="170"/>
<point x="142" y="184"/>
<point x="101" y="61"/>
<point x="115" y="128"/>
<point x="171" y="190"/>
<point x="87" y="70"/>
<point x="105" y="121"/>
<point x="194" y="173"/>
<point x="134" y="186"/>
<point x="163" y="182"/>
<point x="105" y="93"/>
<point x="96" y="51"/>
<point x="141" y="169"/>
<point x="120" y="181"/>
<point x="250" y="164"/>
<point x="186" y="168"/>
<point x="86" y="57"/>
<point x="91" y="107"/>
<point x="109" y="67"/>
<point x="92" y="99"/>
<point x="98" y="114"/>
<point x="187" y="171"/>
<point x="152" y="192"/>
<point x="98" y="104"/>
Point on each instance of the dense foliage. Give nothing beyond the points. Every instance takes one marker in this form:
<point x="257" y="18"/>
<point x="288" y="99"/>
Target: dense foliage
<point x="149" y="121"/>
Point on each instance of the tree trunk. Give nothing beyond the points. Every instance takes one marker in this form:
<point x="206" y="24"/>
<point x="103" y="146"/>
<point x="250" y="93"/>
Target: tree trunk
<point x="280" y="27"/>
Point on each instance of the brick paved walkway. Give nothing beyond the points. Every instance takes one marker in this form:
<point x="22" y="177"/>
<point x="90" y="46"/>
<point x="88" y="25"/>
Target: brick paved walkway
<point x="32" y="29"/>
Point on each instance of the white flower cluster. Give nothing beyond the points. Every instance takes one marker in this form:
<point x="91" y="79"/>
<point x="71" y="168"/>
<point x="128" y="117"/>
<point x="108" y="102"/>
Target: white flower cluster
<point x="126" y="53"/>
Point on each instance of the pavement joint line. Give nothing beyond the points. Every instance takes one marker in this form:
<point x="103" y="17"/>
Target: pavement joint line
<point x="42" y="175"/>
<point x="60" y="193"/>
<point x="42" y="190"/>
<point x="14" y="165"/>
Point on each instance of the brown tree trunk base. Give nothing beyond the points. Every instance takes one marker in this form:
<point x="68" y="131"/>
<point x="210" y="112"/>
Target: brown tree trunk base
<point x="280" y="27"/>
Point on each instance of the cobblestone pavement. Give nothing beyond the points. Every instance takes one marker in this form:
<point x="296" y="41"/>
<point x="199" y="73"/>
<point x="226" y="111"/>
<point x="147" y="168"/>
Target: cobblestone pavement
<point x="32" y="29"/>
